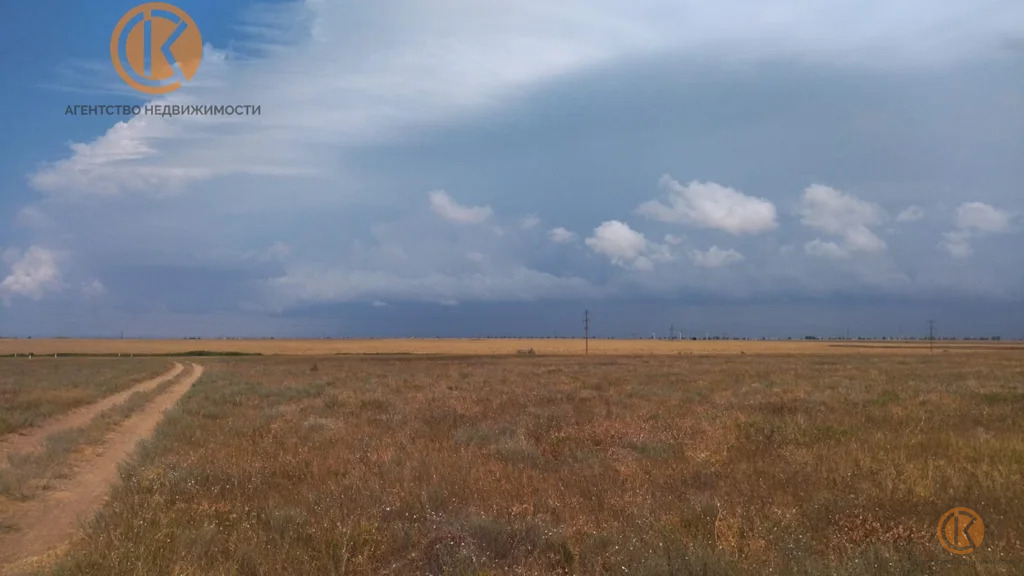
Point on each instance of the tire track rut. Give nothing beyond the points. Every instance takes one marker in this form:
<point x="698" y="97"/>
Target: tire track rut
<point x="44" y="527"/>
<point x="34" y="438"/>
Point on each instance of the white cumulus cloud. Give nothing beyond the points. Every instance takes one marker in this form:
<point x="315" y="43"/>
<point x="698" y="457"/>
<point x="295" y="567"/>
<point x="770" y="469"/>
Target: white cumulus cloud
<point x="983" y="218"/>
<point x="710" y="205"/>
<point x="617" y="241"/>
<point x="823" y="249"/>
<point x="626" y="247"/>
<point x="974" y="219"/>
<point x="561" y="235"/>
<point x="716" y="257"/>
<point x="831" y="211"/>
<point x="444" y="206"/>
<point x="32" y="274"/>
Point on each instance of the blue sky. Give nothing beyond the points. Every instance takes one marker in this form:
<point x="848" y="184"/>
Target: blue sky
<point x="465" y="168"/>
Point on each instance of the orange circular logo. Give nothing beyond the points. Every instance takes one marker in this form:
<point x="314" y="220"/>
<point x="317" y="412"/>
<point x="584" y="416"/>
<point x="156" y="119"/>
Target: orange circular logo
<point x="961" y="530"/>
<point x="156" y="48"/>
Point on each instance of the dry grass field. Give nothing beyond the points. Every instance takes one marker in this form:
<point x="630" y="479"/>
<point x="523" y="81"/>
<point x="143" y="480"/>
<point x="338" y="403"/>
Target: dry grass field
<point x="26" y="474"/>
<point x="33" y="391"/>
<point x="489" y="346"/>
<point x="654" y="465"/>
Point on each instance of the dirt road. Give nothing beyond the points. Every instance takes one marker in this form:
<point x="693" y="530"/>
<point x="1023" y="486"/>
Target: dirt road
<point x="34" y="438"/>
<point x="44" y="527"/>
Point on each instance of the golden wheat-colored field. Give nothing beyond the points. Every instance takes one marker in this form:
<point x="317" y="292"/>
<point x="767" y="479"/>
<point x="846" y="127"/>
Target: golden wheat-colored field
<point x="491" y="346"/>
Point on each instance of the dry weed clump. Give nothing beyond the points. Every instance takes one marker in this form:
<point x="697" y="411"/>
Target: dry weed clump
<point x="608" y="465"/>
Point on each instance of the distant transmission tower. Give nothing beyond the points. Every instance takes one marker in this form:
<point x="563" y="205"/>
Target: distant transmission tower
<point x="931" y="334"/>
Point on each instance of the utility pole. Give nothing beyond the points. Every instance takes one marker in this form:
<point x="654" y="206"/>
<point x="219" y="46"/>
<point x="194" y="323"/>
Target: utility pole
<point x="931" y="334"/>
<point x="672" y="332"/>
<point x="586" y="332"/>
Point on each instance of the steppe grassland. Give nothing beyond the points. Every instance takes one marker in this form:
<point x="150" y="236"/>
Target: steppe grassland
<point x="798" y="464"/>
<point x="34" y="390"/>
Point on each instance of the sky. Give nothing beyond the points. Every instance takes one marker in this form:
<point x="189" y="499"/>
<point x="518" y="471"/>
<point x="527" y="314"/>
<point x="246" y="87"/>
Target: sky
<point x="465" y="168"/>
